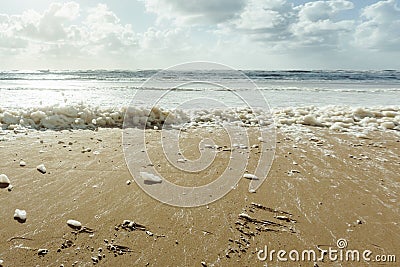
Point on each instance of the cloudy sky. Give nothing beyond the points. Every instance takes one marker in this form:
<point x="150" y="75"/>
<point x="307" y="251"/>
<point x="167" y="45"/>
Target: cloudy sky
<point x="245" y="34"/>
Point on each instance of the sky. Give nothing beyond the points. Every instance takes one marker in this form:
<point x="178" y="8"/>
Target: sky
<point x="243" y="34"/>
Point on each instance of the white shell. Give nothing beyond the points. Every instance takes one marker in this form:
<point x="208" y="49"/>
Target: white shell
<point x="4" y="181"/>
<point x="250" y="176"/>
<point x="22" y="163"/>
<point x="74" y="224"/>
<point x="150" y="178"/>
<point x="41" y="168"/>
<point x="20" y="215"/>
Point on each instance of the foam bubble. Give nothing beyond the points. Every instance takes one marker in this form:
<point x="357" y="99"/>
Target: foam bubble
<point x="338" y="118"/>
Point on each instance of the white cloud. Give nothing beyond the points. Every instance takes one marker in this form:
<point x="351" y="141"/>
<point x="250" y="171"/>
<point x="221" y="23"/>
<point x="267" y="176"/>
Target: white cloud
<point x="281" y="25"/>
<point x="49" y="26"/>
<point x="264" y="15"/>
<point x="381" y="27"/>
<point x="266" y="21"/>
<point x="59" y="32"/>
<point x="322" y="10"/>
<point x="195" y="11"/>
<point x="317" y="25"/>
<point x="105" y="31"/>
<point x="250" y="31"/>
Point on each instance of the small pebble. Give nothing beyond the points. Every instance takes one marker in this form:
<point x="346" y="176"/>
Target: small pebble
<point x="74" y="224"/>
<point x="22" y="163"/>
<point x="41" y="168"/>
<point x="20" y="215"/>
<point x="250" y="176"/>
<point x="4" y="181"/>
<point x="150" y="178"/>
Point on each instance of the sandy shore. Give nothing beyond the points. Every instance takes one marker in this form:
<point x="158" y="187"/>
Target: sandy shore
<point x="322" y="186"/>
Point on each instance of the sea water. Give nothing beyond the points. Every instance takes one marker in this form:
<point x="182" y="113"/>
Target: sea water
<point x="50" y="99"/>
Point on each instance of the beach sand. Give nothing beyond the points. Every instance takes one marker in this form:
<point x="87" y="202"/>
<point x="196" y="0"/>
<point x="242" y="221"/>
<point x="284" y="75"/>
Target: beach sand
<point x="323" y="186"/>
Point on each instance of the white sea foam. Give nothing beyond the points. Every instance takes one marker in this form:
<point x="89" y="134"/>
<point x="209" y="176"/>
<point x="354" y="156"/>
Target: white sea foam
<point x="340" y="118"/>
<point x="337" y="118"/>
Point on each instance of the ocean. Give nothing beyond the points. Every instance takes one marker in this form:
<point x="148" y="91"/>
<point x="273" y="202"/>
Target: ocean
<point x="25" y="92"/>
<point x="280" y="88"/>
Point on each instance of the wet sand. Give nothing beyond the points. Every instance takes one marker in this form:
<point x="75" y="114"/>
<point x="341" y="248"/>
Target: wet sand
<point x="322" y="186"/>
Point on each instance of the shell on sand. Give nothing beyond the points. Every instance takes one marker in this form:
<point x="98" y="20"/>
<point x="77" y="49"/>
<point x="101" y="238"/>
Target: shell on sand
<point x="22" y="163"/>
<point x="150" y="178"/>
<point x="4" y="181"/>
<point x="41" y="168"/>
<point x="74" y="224"/>
<point x="20" y="215"/>
<point x="250" y="176"/>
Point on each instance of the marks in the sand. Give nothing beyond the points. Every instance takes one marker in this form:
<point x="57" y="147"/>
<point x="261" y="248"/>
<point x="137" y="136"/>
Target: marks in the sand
<point x="129" y="226"/>
<point x="255" y="220"/>
<point x="79" y="245"/>
<point x="66" y="244"/>
<point x="111" y="246"/>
